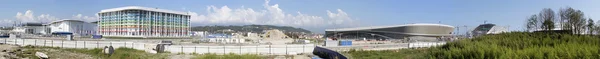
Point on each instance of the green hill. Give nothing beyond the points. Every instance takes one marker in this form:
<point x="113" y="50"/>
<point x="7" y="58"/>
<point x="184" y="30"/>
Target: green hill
<point x="248" y="28"/>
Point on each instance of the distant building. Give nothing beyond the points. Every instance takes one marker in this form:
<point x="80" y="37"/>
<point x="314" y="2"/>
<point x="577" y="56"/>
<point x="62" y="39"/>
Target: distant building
<point x="199" y="33"/>
<point x="134" y="21"/>
<point x="484" y="29"/>
<point x="76" y="27"/>
<point x="31" y="28"/>
<point x="407" y="31"/>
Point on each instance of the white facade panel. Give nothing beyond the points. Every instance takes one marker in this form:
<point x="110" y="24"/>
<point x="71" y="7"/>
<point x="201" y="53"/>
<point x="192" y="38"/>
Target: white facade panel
<point x="73" y="26"/>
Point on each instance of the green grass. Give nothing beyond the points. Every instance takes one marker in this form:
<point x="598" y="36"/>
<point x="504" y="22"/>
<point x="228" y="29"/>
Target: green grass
<point x="514" y="45"/>
<point x="522" y="45"/>
<point x="122" y="53"/>
<point x="228" y="56"/>
<point x="387" y="54"/>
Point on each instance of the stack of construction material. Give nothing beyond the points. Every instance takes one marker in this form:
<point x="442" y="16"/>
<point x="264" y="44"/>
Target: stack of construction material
<point x="331" y="43"/>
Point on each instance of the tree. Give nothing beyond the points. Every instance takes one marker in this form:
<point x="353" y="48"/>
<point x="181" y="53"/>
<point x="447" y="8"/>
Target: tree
<point x="547" y="16"/>
<point x="532" y="23"/>
<point x="572" y="19"/>
<point x="597" y="28"/>
<point x="590" y="26"/>
<point x="548" y="25"/>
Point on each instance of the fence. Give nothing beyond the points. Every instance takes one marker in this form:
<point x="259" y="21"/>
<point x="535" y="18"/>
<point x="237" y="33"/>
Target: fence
<point x="386" y="46"/>
<point x="425" y="44"/>
<point x="256" y="49"/>
<point x="245" y="49"/>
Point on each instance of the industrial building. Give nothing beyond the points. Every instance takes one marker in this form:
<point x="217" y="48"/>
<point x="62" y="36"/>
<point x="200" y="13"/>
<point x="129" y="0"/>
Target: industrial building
<point x="76" y="27"/>
<point x="407" y="31"/>
<point x="31" y="28"/>
<point x="135" y="21"/>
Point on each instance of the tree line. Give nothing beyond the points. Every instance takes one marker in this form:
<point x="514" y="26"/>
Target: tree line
<point x="567" y="19"/>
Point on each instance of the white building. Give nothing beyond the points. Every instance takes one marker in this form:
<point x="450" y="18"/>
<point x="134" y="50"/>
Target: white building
<point x="135" y="21"/>
<point x="484" y="29"/>
<point x="77" y="27"/>
<point x="31" y="28"/>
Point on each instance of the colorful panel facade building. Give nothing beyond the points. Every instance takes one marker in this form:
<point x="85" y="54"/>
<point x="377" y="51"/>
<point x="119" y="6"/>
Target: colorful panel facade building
<point x="134" y="21"/>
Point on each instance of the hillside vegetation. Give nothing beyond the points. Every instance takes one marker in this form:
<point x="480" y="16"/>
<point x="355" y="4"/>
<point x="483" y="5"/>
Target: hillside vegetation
<point x="514" y="45"/>
<point x="522" y="45"/>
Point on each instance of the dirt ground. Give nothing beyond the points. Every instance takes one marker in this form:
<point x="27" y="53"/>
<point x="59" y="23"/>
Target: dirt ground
<point x="17" y="52"/>
<point x="61" y="54"/>
<point x="5" y="52"/>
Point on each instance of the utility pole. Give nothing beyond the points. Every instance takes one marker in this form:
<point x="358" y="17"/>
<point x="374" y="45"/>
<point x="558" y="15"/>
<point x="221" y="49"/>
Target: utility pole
<point x="457" y="31"/>
<point x="466" y="30"/>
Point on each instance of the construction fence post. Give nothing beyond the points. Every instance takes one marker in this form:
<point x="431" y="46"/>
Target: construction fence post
<point x="62" y="43"/>
<point x="270" y="49"/>
<point x="208" y="48"/>
<point x="256" y="49"/>
<point x="286" y="49"/>
<point x="181" y="48"/>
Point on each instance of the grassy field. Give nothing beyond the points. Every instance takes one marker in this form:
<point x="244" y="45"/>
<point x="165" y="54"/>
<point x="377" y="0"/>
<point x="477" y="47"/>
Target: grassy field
<point x="120" y="53"/>
<point x="515" y="45"/>
<point x="228" y="56"/>
<point x="387" y="54"/>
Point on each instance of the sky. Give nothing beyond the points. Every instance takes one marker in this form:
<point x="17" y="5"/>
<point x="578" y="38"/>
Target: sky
<point x="313" y="15"/>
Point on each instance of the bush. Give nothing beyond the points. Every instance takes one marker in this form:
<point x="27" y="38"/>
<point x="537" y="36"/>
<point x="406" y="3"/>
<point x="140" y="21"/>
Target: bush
<point x="519" y="45"/>
<point x="387" y="54"/>
<point x="514" y="45"/>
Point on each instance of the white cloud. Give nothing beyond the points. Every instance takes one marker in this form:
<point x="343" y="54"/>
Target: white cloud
<point x="29" y="17"/>
<point x="85" y="18"/>
<point x="25" y="17"/>
<point x="78" y="16"/>
<point x="6" y="22"/>
<point x="46" y="18"/>
<point x="273" y="15"/>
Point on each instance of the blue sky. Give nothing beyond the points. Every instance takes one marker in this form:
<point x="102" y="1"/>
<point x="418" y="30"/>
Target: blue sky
<point x="309" y="14"/>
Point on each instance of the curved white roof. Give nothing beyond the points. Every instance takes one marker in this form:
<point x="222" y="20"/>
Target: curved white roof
<point x="66" y="20"/>
<point x="377" y="27"/>
<point x="142" y="8"/>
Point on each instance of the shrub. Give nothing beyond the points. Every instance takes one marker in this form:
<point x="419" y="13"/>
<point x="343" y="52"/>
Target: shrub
<point x="519" y="45"/>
